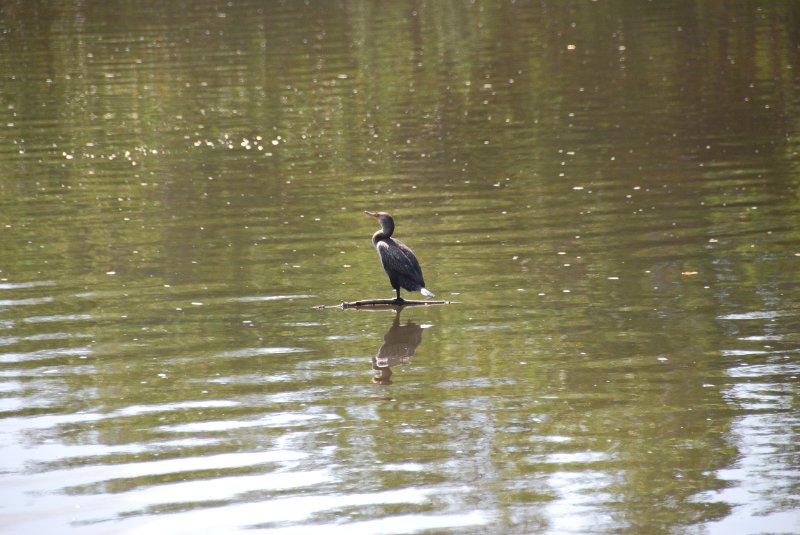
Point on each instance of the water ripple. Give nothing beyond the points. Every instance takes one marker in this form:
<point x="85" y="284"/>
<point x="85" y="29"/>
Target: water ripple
<point x="259" y="351"/>
<point x="258" y="298"/>
<point x="44" y="354"/>
<point x="21" y="285"/>
<point x="283" y="419"/>
<point x="25" y="302"/>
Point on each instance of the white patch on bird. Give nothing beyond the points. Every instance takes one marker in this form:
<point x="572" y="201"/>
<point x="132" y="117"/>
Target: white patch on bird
<point x="426" y="292"/>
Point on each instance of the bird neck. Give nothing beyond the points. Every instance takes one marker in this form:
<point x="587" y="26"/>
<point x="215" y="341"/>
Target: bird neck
<point x="380" y="236"/>
<point x="386" y="231"/>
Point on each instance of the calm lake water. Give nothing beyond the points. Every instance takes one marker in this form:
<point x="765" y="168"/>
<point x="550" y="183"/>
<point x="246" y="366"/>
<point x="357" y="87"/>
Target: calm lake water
<point x="610" y="191"/>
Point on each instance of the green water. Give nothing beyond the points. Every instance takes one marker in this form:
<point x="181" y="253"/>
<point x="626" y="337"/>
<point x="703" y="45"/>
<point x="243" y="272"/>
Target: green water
<point x="609" y="190"/>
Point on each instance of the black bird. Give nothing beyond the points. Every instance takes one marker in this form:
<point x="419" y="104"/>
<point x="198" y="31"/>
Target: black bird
<point x="398" y="261"/>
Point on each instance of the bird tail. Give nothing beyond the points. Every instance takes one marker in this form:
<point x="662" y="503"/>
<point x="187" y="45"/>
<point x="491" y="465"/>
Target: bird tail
<point x="426" y="292"/>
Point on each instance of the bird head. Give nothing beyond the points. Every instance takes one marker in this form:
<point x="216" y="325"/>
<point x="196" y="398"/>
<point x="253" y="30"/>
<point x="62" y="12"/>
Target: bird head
<point x="385" y="220"/>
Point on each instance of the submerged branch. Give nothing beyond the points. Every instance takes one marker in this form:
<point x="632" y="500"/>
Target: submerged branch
<point x="385" y="304"/>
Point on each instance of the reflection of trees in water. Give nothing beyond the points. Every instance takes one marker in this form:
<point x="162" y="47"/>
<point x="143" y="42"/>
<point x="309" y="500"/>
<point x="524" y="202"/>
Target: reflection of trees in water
<point x="399" y="345"/>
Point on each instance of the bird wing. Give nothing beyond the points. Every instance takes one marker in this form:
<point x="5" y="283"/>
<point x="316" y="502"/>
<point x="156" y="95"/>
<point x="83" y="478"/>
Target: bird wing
<point x="397" y="257"/>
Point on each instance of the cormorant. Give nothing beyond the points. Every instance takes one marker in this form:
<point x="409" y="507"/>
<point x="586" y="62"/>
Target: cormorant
<point x="398" y="260"/>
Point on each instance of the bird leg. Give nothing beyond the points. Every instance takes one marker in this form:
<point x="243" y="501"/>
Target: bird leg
<point x="398" y="298"/>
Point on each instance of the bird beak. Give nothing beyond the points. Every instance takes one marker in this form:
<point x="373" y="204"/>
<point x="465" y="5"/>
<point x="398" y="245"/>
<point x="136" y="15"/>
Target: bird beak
<point x="373" y="214"/>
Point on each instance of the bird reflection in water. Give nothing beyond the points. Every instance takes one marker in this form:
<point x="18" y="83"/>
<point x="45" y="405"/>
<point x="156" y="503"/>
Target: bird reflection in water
<point x="399" y="345"/>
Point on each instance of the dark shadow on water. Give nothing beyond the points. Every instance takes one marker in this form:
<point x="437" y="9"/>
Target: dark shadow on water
<point x="399" y="345"/>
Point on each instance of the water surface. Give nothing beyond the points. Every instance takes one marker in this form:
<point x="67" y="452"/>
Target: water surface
<point x="609" y="191"/>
